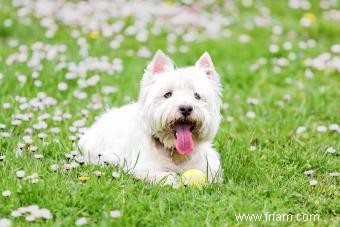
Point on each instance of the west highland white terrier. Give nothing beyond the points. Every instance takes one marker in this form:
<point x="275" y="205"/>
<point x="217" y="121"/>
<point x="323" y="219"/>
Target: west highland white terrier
<point x="168" y="130"/>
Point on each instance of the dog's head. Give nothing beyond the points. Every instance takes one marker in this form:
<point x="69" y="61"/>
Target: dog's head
<point x="180" y="107"/>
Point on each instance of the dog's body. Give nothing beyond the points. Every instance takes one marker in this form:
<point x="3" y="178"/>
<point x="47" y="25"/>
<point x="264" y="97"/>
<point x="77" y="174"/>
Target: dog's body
<point x="169" y="129"/>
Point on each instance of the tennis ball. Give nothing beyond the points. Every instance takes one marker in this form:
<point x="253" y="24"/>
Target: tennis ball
<point x="193" y="177"/>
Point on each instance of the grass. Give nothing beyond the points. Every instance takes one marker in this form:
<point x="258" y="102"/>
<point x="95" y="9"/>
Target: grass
<point x="268" y="179"/>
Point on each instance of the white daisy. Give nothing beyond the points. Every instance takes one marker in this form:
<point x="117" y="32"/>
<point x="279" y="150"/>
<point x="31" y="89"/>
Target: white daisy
<point x="20" y="174"/>
<point x="6" y="193"/>
<point x="115" y="214"/>
<point x="81" y="221"/>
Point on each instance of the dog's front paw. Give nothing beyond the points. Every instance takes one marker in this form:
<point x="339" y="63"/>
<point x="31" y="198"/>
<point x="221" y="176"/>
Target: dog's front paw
<point x="215" y="176"/>
<point x="170" y="179"/>
<point x="155" y="177"/>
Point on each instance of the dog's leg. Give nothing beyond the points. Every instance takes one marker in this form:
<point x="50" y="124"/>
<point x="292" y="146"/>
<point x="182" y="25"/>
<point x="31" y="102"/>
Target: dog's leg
<point x="155" y="177"/>
<point x="95" y="151"/>
<point x="207" y="160"/>
<point x="214" y="169"/>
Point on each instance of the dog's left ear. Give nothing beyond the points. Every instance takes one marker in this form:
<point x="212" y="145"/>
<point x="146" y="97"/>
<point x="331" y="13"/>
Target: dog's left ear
<point x="160" y="63"/>
<point x="205" y="63"/>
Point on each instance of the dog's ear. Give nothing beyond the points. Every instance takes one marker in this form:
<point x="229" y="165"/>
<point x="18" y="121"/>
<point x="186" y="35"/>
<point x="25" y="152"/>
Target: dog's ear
<point x="160" y="63"/>
<point x="205" y="63"/>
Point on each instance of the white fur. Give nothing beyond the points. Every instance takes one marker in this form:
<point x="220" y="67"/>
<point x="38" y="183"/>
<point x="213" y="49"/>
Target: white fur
<point x="125" y="136"/>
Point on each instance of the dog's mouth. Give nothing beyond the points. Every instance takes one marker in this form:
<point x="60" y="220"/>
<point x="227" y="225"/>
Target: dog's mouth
<point x="183" y="134"/>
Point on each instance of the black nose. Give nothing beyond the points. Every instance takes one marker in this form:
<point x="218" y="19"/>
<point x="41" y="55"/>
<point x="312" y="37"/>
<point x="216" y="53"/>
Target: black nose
<point x="185" y="110"/>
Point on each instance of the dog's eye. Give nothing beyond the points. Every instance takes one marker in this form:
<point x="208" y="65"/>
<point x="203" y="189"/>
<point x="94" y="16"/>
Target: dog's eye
<point x="197" y="96"/>
<point x="167" y="95"/>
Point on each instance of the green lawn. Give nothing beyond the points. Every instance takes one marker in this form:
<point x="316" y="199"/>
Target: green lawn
<point x="262" y="56"/>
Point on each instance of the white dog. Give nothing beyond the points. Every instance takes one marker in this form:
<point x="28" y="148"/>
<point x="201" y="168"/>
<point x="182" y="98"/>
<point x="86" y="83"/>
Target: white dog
<point x="168" y="130"/>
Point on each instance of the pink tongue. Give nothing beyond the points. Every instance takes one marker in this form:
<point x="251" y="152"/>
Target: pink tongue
<point x="184" y="142"/>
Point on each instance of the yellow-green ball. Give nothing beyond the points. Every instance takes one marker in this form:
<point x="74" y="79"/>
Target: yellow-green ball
<point x="193" y="177"/>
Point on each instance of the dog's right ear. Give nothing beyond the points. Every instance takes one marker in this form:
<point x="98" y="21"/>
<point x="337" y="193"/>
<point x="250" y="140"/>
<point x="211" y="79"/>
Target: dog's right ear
<point x="160" y="63"/>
